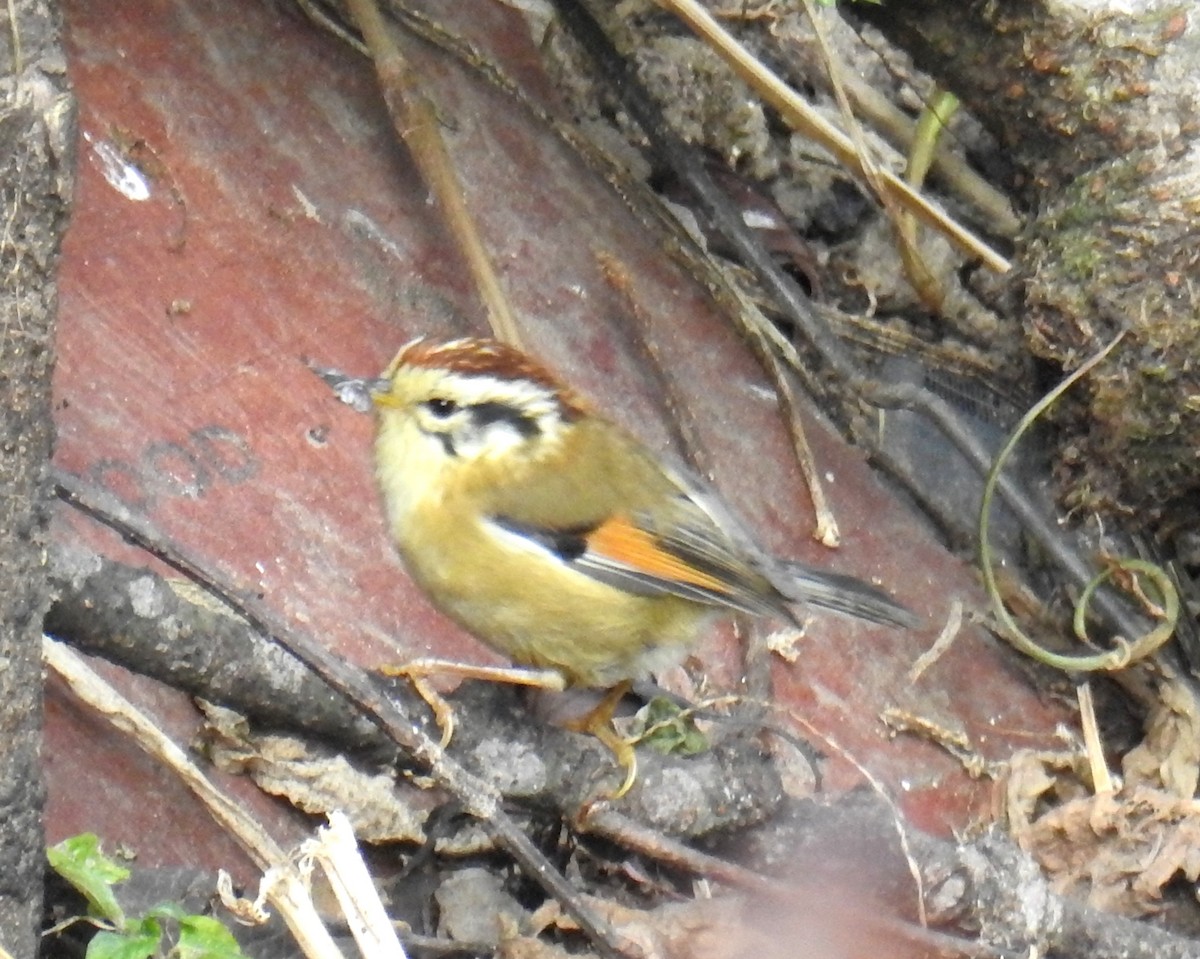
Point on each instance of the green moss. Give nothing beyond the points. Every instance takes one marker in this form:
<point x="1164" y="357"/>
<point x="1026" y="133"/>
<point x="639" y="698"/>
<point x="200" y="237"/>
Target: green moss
<point x="1079" y="257"/>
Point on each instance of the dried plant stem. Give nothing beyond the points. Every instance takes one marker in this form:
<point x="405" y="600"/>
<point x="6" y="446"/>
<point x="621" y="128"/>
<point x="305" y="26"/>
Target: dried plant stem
<point x="415" y="119"/>
<point x="18" y="60"/>
<point x="336" y="850"/>
<point x="1102" y="782"/>
<point x="804" y="119"/>
<point x="902" y="829"/>
<point x="664" y="849"/>
<point x="920" y="277"/>
<point x="681" y="420"/>
<point x="955" y="174"/>
<point x="933" y="120"/>
<point x="825" y="530"/>
<point x="945" y="639"/>
<point x="288" y="893"/>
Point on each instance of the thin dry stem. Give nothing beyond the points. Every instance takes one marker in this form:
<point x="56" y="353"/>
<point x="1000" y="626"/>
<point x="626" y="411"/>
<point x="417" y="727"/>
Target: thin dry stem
<point x="288" y="893"/>
<point x="955" y="174"/>
<point x="602" y="821"/>
<point x="920" y="157"/>
<point x="681" y="420"/>
<point x="903" y="224"/>
<point x="415" y="119"/>
<point x="826" y="530"/>
<point x="805" y="120"/>
<point x="1102" y="782"/>
<point x="18" y="60"/>
<point x="943" y="642"/>
<point x="897" y="817"/>
<point x="336" y="850"/>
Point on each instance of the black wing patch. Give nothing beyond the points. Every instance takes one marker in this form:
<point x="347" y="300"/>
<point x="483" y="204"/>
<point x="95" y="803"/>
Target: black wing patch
<point x="567" y="544"/>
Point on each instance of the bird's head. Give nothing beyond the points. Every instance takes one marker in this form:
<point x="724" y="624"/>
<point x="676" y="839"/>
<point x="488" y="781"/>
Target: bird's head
<point x="444" y="406"/>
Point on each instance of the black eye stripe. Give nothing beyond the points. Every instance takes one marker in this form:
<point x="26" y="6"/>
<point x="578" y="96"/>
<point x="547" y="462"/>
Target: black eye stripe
<point x="485" y="414"/>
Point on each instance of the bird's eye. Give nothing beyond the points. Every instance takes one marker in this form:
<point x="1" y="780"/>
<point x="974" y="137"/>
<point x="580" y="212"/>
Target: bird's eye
<point x="441" y="408"/>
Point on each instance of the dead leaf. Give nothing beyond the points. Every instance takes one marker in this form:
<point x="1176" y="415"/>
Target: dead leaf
<point x="317" y="779"/>
<point x="1030" y="777"/>
<point x="1169" y="756"/>
<point x="1119" y="851"/>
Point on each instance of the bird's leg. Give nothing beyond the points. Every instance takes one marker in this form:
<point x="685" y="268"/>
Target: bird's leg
<point x="598" y="721"/>
<point x="417" y="670"/>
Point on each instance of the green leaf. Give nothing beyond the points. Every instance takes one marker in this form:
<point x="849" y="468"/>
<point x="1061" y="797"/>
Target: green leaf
<point x="168" y="910"/>
<point x="81" y="863"/>
<point x="140" y="941"/>
<point x="202" y="937"/>
<point x="669" y="729"/>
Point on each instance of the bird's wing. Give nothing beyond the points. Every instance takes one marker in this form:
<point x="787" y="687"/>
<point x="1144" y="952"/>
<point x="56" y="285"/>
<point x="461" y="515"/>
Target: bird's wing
<point x="655" y="529"/>
<point x="681" y="554"/>
<point x="790" y="581"/>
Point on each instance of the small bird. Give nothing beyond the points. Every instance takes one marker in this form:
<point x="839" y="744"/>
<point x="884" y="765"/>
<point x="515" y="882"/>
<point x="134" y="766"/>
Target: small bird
<point x="557" y="538"/>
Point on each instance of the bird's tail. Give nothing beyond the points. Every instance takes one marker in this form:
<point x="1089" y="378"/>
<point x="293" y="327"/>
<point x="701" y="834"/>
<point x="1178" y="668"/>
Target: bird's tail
<point x="842" y="593"/>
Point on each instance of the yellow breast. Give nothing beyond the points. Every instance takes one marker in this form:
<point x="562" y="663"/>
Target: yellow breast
<point x="525" y="603"/>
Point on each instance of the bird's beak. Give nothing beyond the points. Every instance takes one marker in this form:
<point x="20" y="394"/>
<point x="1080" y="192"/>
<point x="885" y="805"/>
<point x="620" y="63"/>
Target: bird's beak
<point x="354" y="391"/>
<point x="380" y="390"/>
<point x="380" y="393"/>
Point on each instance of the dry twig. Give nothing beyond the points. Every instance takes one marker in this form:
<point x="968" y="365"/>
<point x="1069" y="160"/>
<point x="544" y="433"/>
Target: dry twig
<point x="807" y="121"/>
<point x="416" y="121"/>
<point x="287" y="891"/>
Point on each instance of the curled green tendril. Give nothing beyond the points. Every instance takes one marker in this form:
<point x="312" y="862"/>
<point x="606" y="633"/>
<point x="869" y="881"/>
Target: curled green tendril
<point x="1124" y="652"/>
<point x="1168" y="597"/>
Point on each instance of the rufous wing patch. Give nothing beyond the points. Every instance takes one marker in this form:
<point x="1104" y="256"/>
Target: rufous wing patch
<point x="623" y="543"/>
